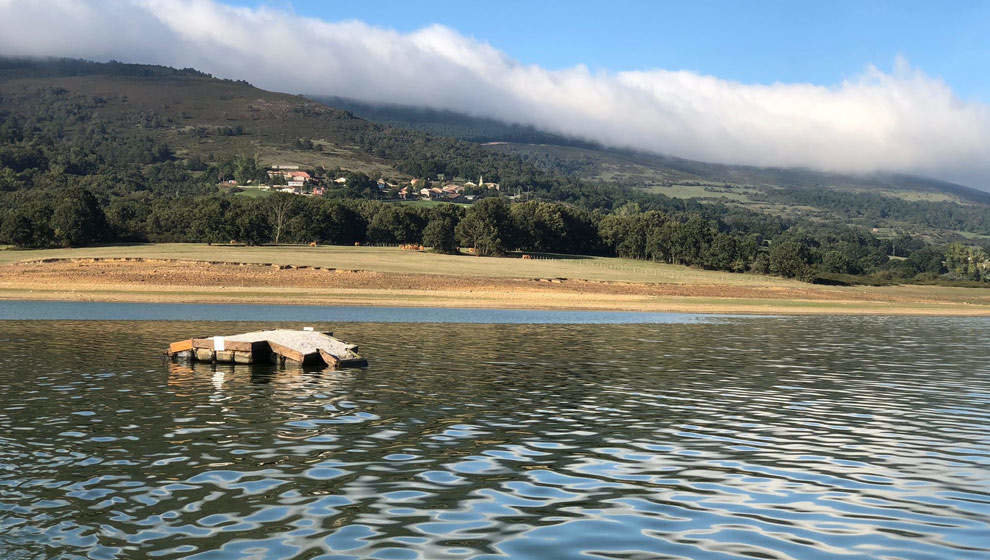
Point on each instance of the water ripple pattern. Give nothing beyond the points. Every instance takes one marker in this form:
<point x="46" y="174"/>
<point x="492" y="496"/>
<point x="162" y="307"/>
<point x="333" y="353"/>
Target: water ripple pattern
<point x="841" y="437"/>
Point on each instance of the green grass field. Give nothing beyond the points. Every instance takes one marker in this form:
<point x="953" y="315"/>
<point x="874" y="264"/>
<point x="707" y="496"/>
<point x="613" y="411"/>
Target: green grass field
<point x="255" y="193"/>
<point x="429" y="203"/>
<point x="735" y="193"/>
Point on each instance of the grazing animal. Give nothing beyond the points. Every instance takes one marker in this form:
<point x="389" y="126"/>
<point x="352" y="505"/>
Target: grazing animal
<point x="527" y="257"/>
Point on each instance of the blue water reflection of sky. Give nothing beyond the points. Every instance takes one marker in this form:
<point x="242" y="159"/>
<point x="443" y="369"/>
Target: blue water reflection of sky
<point x="102" y="311"/>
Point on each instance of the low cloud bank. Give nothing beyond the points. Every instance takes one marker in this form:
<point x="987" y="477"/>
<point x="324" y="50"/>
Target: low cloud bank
<point x="903" y="121"/>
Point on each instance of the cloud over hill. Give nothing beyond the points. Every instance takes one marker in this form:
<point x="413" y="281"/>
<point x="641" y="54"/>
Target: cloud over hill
<point x="903" y="120"/>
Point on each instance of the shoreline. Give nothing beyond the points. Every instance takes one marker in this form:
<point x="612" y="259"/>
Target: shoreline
<point x="190" y="280"/>
<point x="782" y="307"/>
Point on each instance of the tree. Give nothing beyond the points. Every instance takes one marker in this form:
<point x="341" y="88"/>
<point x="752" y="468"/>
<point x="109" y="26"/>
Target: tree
<point x="280" y="206"/>
<point x="722" y="253"/>
<point x="8" y="179"/>
<point x="19" y="229"/>
<point x="487" y="227"/>
<point x="440" y="231"/>
<point x="249" y="224"/>
<point x="78" y="219"/>
<point x="836" y="261"/>
<point x="210" y="220"/>
<point x="127" y="218"/>
<point x="691" y="240"/>
<point x="394" y="224"/>
<point x="789" y="259"/>
<point x="246" y="169"/>
<point x="927" y="260"/>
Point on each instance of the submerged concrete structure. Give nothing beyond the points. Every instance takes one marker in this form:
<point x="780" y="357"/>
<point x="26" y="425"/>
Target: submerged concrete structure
<point x="279" y="346"/>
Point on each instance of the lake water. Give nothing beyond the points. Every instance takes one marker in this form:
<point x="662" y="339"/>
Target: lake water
<point x="94" y="311"/>
<point x="815" y="437"/>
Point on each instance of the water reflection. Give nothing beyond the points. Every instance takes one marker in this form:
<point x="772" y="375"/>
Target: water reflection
<point x="768" y="438"/>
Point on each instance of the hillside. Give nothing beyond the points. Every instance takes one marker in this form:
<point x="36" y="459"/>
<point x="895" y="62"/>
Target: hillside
<point x="450" y="123"/>
<point x="127" y="114"/>
<point x="884" y="200"/>
<point x="93" y="153"/>
<point x="593" y="161"/>
<point x="141" y="115"/>
<point x="193" y="113"/>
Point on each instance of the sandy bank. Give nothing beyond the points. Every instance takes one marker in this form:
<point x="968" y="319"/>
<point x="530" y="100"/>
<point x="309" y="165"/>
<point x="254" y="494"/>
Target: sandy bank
<point x="178" y="281"/>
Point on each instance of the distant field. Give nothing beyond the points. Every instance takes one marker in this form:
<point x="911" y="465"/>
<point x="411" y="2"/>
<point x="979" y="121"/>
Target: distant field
<point x="970" y="235"/>
<point x="428" y="203"/>
<point x="739" y="194"/>
<point x="255" y="193"/>
<point x="913" y="196"/>
<point x="393" y="259"/>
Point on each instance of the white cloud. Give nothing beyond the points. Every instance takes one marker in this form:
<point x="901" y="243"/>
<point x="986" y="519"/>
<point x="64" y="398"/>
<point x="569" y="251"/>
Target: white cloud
<point x="903" y="120"/>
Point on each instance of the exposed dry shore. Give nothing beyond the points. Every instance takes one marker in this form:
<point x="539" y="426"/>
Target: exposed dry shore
<point x="138" y="279"/>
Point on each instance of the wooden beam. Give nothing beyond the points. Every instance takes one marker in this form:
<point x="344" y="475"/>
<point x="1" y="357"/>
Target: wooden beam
<point x="232" y="345"/>
<point x="289" y="353"/>
<point x="180" y="346"/>
<point x="331" y="360"/>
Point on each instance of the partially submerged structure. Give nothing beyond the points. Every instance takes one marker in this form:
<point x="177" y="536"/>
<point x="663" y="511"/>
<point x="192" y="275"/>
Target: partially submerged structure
<point x="279" y="346"/>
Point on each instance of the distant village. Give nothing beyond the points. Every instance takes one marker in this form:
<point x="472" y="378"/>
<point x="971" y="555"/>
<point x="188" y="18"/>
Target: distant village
<point x="291" y="179"/>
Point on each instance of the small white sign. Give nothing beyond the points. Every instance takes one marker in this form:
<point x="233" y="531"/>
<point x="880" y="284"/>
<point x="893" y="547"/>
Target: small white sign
<point x="218" y="343"/>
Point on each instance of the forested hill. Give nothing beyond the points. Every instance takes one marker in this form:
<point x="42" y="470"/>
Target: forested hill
<point x="592" y="161"/>
<point x="93" y="153"/>
<point x="209" y="120"/>
<point x="450" y="123"/>
<point x="177" y="121"/>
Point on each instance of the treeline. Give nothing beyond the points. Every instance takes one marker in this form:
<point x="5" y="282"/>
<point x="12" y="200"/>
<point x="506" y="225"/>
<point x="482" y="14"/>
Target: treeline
<point x="451" y="124"/>
<point x="22" y="67"/>
<point x="492" y="227"/>
<point x="872" y="208"/>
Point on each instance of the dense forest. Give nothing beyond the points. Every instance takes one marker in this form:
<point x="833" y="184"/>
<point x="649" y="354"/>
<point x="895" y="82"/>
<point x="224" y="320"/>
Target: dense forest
<point x="79" y="169"/>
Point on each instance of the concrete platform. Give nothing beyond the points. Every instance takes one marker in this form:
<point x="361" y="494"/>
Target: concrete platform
<point x="306" y="347"/>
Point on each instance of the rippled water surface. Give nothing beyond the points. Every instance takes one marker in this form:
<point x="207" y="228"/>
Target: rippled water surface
<point x="741" y="438"/>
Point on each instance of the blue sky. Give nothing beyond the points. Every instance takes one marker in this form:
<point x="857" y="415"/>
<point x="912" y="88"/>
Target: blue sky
<point x="751" y="42"/>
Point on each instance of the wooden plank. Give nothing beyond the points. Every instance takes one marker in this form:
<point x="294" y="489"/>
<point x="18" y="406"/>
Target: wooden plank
<point x="236" y="346"/>
<point x="180" y="346"/>
<point x="330" y="359"/>
<point x="353" y="362"/>
<point x="233" y="345"/>
<point x="243" y="357"/>
<point x="289" y="353"/>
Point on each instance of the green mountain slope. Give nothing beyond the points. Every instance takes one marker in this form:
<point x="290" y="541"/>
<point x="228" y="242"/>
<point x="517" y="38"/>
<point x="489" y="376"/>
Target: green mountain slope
<point x="650" y="171"/>
<point x="203" y="119"/>
<point x="193" y="113"/>
<point x="119" y="128"/>
<point x="93" y="153"/>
